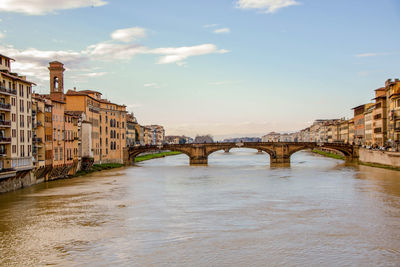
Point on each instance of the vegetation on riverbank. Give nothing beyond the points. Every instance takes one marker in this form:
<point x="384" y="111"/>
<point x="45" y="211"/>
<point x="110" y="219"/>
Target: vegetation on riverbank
<point x="328" y="154"/>
<point x="99" y="167"/>
<point x="377" y="165"/>
<point x="156" y="155"/>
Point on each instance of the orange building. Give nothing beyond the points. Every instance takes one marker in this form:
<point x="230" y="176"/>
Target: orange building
<point x="108" y="123"/>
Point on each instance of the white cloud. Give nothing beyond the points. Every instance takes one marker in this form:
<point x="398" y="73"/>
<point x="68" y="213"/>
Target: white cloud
<point x="109" y="51"/>
<point x="270" y="6"/>
<point x="129" y="34"/>
<point x="94" y="74"/>
<point x="223" y="82"/>
<point x="179" y="54"/>
<point x="2" y="35"/>
<point x="41" y="7"/>
<point x="373" y="54"/>
<point x="210" y="25"/>
<point x="151" y="85"/>
<point x="222" y="30"/>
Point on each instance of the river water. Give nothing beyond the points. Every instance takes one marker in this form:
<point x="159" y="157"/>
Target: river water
<point x="236" y="212"/>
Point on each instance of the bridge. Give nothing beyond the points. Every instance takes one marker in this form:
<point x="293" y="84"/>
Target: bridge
<point x="279" y="152"/>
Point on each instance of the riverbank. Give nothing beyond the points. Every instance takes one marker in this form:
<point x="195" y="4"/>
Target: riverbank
<point x="156" y="155"/>
<point x="108" y="166"/>
<point x="99" y="167"/>
<point x="328" y="154"/>
<point x="362" y="160"/>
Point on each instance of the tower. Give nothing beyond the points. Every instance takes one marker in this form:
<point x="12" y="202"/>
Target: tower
<point x="56" y="80"/>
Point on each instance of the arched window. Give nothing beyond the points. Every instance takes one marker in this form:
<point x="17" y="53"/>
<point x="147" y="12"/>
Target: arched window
<point x="55" y="83"/>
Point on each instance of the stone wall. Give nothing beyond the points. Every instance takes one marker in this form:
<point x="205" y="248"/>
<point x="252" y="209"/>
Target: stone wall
<point x="380" y="157"/>
<point x="21" y="180"/>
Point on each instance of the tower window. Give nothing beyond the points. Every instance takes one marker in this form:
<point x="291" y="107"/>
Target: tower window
<point x="56" y="83"/>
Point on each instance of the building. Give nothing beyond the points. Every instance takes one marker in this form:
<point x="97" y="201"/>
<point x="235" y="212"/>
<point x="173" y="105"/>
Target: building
<point x="38" y="132"/>
<point x="392" y="89"/>
<point x="359" y="123"/>
<point x="351" y="131"/>
<point x="154" y="135"/>
<point x="344" y="131"/>
<point x="108" y="122"/>
<point x="368" y="126"/>
<point x="132" y="131"/>
<point x="380" y="118"/>
<point x="271" y="137"/>
<point x="201" y="139"/>
<point x="175" y="139"/>
<point x="15" y="121"/>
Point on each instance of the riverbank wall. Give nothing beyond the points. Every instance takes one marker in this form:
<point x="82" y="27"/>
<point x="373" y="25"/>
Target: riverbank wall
<point x="390" y="159"/>
<point x="21" y="179"/>
<point x="368" y="157"/>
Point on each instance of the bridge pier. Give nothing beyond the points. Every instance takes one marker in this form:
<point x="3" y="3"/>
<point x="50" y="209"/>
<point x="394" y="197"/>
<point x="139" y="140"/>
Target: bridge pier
<point x="198" y="161"/>
<point x="280" y="162"/>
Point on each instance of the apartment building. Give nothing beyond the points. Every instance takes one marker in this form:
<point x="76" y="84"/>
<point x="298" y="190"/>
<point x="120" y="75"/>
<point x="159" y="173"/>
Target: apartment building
<point x="15" y="120"/>
<point x="380" y="118"/>
<point x="38" y="131"/>
<point x="392" y="89"/>
<point x="359" y="123"/>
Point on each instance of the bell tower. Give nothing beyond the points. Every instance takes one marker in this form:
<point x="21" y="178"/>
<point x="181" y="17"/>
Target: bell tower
<point x="57" y="80"/>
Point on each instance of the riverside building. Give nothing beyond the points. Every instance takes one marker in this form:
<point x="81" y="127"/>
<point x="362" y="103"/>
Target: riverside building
<point x="15" y="121"/>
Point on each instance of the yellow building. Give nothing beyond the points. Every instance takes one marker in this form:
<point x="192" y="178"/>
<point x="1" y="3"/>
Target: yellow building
<point x="392" y="89"/>
<point x="108" y="124"/>
<point x="380" y="118"/>
<point x="38" y="129"/>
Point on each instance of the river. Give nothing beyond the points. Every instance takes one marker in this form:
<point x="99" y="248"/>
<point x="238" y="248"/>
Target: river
<point x="235" y="212"/>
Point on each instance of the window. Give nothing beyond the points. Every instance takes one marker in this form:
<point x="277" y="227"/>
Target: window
<point x="22" y="151"/>
<point x="13" y="117"/>
<point x="14" y="149"/>
<point x="21" y="120"/>
<point x="14" y="133"/>
<point x="13" y="102"/>
<point x="56" y="153"/>
<point x="61" y="153"/>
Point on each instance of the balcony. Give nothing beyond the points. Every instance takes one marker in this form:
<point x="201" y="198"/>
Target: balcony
<point x="4" y="106"/>
<point x="20" y="164"/>
<point x="38" y="124"/>
<point x="4" y="123"/>
<point x="5" y="139"/>
<point x="3" y="152"/>
<point x="6" y="91"/>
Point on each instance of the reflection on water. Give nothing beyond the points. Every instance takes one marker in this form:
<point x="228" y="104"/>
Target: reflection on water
<point x="235" y="212"/>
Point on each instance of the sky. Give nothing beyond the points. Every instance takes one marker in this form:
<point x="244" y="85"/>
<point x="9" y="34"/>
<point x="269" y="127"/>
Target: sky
<point x="225" y="68"/>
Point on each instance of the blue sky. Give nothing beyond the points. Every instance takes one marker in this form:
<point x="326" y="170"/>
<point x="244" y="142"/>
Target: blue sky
<point x="226" y="68"/>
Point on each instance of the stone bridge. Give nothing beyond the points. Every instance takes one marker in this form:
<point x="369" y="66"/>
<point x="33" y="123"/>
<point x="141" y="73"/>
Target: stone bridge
<point x="279" y="152"/>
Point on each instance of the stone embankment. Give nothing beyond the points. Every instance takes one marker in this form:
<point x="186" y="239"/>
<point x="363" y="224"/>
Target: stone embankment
<point x="368" y="157"/>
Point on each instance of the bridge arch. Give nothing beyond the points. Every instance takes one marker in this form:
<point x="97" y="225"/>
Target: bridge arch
<point x="133" y="154"/>
<point x="270" y="152"/>
<point x="343" y="150"/>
